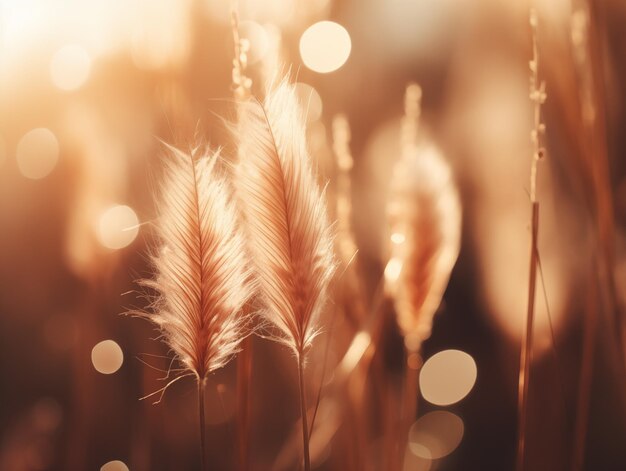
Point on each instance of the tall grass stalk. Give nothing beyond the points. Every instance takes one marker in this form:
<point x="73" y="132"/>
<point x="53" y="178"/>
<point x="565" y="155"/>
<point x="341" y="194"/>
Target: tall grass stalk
<point x="537" y="97"/>
<point x="288" y="232"/>
<point x="202" y="277"/>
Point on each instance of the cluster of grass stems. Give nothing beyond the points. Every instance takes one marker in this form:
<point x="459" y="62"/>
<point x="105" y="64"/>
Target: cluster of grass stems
<point x="245" y="248"/>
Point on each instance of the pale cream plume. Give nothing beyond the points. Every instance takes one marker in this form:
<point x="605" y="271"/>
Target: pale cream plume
<point x="289" y="235"/>
<point x="202" y="274"/>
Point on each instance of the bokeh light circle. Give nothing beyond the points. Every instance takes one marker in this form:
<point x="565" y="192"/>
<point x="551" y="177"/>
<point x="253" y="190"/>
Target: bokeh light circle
<point x="107" y="357"/>
<point x="435" y="435"/>
<point x="325" y="46"/>
<point x="447" y="377"/>
<point x="69" y="67"/>
<point x="37" y="153"/>
<point x="118" y="227"/>
<point x="115" y="465"/>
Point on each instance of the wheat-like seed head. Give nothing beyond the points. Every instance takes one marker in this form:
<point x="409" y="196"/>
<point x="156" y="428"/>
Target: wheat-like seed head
<point x="202" y="274"/>
<point x="424" y="215"/>
<point x="288" y="232"/>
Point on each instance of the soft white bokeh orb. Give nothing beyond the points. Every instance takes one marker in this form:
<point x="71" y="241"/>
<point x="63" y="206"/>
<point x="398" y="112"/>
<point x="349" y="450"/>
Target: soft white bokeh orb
<point x="115" y="465"/>
<point x="118" y="227"/>
<point x="69" y="67"/>
<point x="447" y="377"/>
<point x="435" y="435"/>
<point x="107" y="357"/>
<point x="37" y="153"/>
<point x="325" y="46"/>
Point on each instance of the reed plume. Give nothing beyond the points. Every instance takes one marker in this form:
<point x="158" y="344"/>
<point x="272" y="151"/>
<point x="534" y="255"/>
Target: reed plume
<point x="288" y="233"/>
<point x="424" y="216"/>
<point x="202" y="272"/>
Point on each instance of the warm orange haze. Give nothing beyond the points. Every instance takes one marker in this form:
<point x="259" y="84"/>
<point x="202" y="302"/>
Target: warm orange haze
<point x="373" y="235"/>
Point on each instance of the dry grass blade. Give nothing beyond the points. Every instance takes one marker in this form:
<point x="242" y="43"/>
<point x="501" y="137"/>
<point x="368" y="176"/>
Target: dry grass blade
<point x="289" y="236"/>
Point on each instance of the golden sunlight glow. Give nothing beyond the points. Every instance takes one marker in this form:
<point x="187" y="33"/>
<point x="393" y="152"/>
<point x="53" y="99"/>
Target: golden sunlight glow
<point x="118" y="227"/>
<point x="37" y="153"/>
<point x="310" y="100"/>
<point x="325" y="46"/>
<point x="436" y="434"/>
<point x="447" y="377"/>
<point x="107" y="357"/>
<point x="114" y="466"/>
<point x="69" y="67"/>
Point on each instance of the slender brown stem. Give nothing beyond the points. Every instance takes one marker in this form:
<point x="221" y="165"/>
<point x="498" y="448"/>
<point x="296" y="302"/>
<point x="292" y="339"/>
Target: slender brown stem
<point x="411" y="392"/>
<point x="244" y="375"/>
<point x="325" y="365"/>
<point x="201" y="421"/>
<point x="527" y="343"/>
<point x="591" y="67"/>
<point x="389" y="403"/>
<point x="586" y="375"/>
<point x="305" y="427"/>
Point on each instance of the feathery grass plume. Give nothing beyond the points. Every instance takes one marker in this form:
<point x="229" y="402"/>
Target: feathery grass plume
<point x="424" y="216"/>
<point x="288" y="233"/>
<point x="202" y="272"/>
